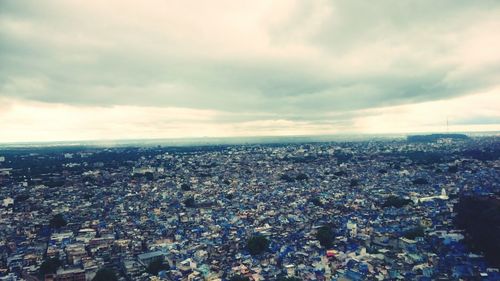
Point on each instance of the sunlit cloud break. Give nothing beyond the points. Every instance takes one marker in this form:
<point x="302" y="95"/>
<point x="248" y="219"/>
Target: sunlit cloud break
<point x="165" y="69"/>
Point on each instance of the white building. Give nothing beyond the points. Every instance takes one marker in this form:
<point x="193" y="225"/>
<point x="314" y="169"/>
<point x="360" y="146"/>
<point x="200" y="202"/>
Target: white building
<point x="8" y="201"/>
<point x="353" y="228"/>
<point x="442" y="196"/>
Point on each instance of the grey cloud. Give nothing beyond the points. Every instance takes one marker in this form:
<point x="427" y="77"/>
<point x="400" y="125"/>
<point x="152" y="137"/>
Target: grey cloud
<point x="44" y="69"/>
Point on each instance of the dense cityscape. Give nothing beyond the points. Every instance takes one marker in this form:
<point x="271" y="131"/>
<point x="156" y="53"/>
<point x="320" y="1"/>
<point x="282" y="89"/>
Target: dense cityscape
<point x="361" y="210"/>
<point x="236" y="140"/>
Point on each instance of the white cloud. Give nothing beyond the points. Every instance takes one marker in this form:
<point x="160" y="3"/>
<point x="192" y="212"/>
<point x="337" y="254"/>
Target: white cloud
<point x="23" y="120"/>
<point x="433" y="116"/>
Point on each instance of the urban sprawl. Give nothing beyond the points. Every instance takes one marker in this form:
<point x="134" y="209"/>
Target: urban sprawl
<point x="365" y="210"/>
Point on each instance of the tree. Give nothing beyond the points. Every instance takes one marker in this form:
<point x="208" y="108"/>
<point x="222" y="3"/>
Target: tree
<point x="57" y="221"/>
<point x="340" y="173"/>
<point x="414" y="233"/>
<point x="289" y="279"/>
<point x="420" y="181"/>
<point x="149" y="176"/>
<point x="286" y="178"/>
<point x="157" y="266"/>
<point x="395" y="201"/>
<point x="453" y="169"/>
<point x="325" y="236"/>
<point x="189" y="202"/>
<point x="185" y="187"/>
<point x="50" y="266"/>
<point x="239" y="278"/>
<point x="105" y="274"/>
<point x="257" y="244"/>
<point x="316" y="201"/>
<point x="342" y="157"/>
<point x="480" y="218"/>
<point x="301" y="177"/>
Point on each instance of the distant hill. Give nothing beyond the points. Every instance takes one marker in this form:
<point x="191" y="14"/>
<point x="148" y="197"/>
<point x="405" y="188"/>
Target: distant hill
<point x="435" y="137"/>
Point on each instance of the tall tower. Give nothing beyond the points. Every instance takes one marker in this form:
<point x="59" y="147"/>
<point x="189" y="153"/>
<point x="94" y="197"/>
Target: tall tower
<point x="443" y="194"/>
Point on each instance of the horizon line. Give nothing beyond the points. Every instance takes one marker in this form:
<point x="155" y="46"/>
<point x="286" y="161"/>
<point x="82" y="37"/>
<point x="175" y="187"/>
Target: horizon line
<point x="125" y="141"/>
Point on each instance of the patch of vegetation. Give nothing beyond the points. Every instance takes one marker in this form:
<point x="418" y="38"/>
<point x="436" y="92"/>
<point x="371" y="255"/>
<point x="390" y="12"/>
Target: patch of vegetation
<point x="395" y="201"/>
<point x="354" y="182"/>
<point x="257" y="244"/>
<point x="453" y="169"/>
<point x="325" y="236"/>
<point x="190" y="202"/>
<point x="342" y="157"/>
<point x="420" y="181"/>
<point x="301" y="177"/>
<point x="105" y="274"/>
<point x="58" y="221"/>
<point x="414" y="233"/>
<point x="49" y="266"/>
<point x="21" y="197"/>
<point x="480" y="218"/>
<point x="157" y="266"/>
<point x="484" y="154"/>
<point x="316" y="201"/>
<point x="436" y="137"/>
<point x="289" y="279"/>
<point x="287" y="178"/>
<point x="340" y="173"/>
<point x="239" y="278"/>
<point x="185" y="187"/>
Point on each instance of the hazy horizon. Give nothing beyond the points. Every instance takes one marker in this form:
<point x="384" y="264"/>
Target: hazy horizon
<point x="89" y="70"/>
<point x="201" y="141"/>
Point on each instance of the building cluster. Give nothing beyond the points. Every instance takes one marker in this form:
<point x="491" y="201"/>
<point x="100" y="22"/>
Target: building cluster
<point x="192" y="211"/>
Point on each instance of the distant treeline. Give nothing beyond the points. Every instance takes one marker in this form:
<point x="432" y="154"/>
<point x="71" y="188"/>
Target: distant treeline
<point x="435" y="137"/>
<point x="433" y="157"/>
<point x="485" y="154"/>
<point x="419" y="157"/>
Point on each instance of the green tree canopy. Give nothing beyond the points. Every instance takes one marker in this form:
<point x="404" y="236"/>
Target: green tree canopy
<point x="395" y="201"/>
<point x="289" y="279"/>
<point x="239" y="278"/>
<point x="325" y="236"/>
<point x="316" y="201"/>
<point x="301" y="177"/>
<point x="105" y="274"/>
<point x="420" y="181"/>
<point x="189" y="202"/>
<point x="479" y="216"/>
<point x="257" y="244"/>
<point x="414" y="232"/>
<point x="50" y="266"/>
<point x="185" y="187"/>
<point x="57" y="221"/>
<point x="157" y="266"/>
<point x="354" y="182"/>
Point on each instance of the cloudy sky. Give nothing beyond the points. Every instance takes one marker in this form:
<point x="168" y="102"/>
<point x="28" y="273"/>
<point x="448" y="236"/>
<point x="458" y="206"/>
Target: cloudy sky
<point x="116" y="69"/>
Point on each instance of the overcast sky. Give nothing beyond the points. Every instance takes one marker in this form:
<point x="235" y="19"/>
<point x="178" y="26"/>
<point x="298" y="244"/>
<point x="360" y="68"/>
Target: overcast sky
<point x="72" y="70"/>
